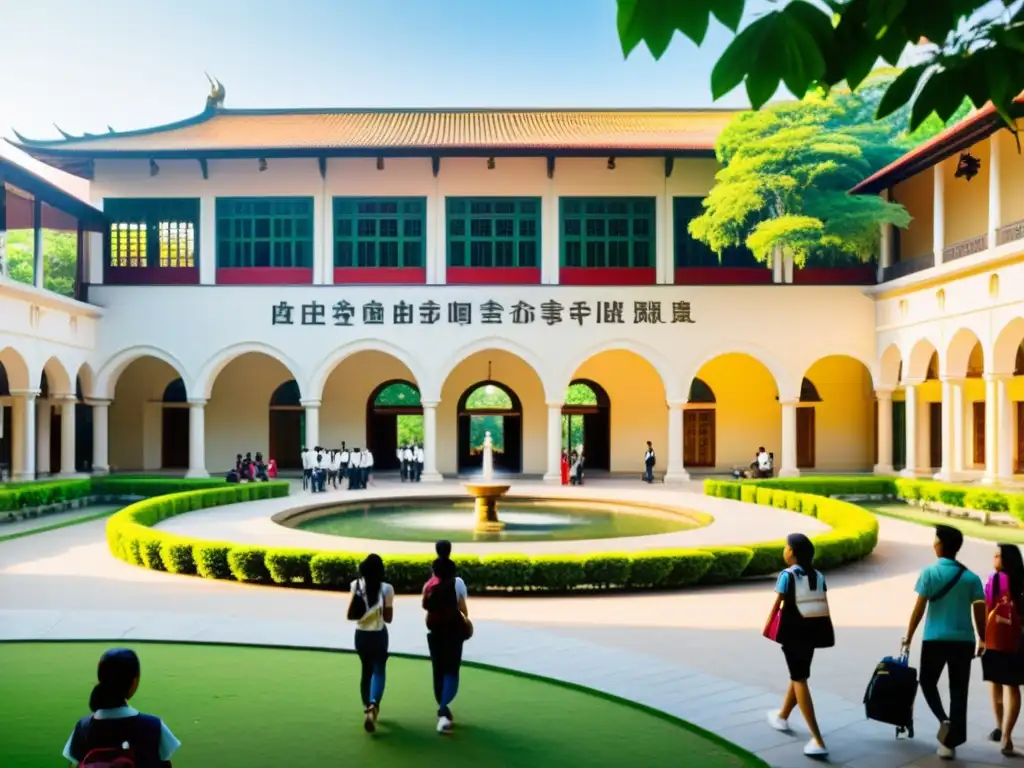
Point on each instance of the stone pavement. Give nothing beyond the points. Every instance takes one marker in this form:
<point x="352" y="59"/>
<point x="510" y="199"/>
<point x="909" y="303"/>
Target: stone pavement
<point x="697" y="654"/>
<point x="34" y="523"/>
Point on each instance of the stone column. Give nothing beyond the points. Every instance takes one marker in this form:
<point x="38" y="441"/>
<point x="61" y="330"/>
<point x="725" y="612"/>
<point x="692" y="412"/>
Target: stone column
<point x="939" y="213"/>
<point x="946" y="470"/>
<point x="313" y="423"/>
<point x="554" y="447"/>
<point x="995" y="201"/>
<point x="27" y="466"/>
<point x="197" y="438"/>
<point x="675" y="472"/>
<point x="957" y="417"/>
<point x="911" y="409"/>
<point x="991" y="427"/>
<point x="1004" y="440"/>
<point x="100" y="458"/>
<point x="67" y="435"/>
<point x="884" y="436"/>
<point x="430" y="473"/>
<point x="44" y="414"/>
<point x="787" y="467"/>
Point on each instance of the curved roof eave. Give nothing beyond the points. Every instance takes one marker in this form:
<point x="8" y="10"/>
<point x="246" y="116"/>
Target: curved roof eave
<point x="24" y="143"/>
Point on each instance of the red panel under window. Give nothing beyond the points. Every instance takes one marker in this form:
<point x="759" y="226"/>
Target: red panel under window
<point x="151" y="276"/>
<point x="493" y="276"/>
<point x="723" y="276"/>
<point x="862" y="275"/>
<point x="380" y="275"/>
<point x="264" y="275"/>
<point x="607" y="275"/>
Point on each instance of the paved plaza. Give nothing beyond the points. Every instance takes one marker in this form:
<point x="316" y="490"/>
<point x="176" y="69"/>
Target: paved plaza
<point x="697" y="654"/>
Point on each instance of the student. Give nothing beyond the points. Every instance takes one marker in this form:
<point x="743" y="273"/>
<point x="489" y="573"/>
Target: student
<point x="113" y="723"/>
<point x="307" y="467"/>
<point x="580" y="461"/>
<point x="343" y="470"/>
<point x="419" y="457"/>
<point x="649" y="460"/>
<point x="764" y="463"/>
<point x="1004" y="667"/>
<point x="564" y="467"/>
<point x="402" y="467"/>
<point x="804" y="625"/>
<point x="574" y="464"/>
<point x="329" y="465"/>
<point x="950" y="593"/>
<point x="407" y="459"/>
<point x="260" y="470"/>
<point x="367" y="466"/>
<point x="354" y="471"/>
<point x="448" y="627"/>
<point x="372" y="635"/>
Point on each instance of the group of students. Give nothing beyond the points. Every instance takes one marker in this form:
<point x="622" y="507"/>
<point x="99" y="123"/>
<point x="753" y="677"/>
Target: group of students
<point x="250" y="470"/>
<point x="323" y="467"/>
<point x="963" y="620"/>
<point x="572" y="467"/>
<point x="410" y="462"/>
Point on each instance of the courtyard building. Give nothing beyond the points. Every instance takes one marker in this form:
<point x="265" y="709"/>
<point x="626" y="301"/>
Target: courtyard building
<point x="266" y="280"/>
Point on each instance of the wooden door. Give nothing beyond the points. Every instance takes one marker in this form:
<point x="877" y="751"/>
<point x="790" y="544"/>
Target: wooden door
<point x="174" y="453"/>
<point x="978" y="414"/>
<point x="699" y="437"/>
<point x="286" y="434"/>
<point x="805" y="429"/>
<point x="934" y="435"/>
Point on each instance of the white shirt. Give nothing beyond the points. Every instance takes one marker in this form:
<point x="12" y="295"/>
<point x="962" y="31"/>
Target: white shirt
<point x="648" y="455"/>
<point x="373" y="619"/>
<point x="419" y="454"/>
<point x="764" y="461"/>
<point x="335" y="461"/>
<point x="407" y="454"/>
<point x="399" y="453"/>
<point x="368" y="460"/>
<point x="168" y="741"/>
<point x="343" y="459"/>
<point x="306" y="464"/>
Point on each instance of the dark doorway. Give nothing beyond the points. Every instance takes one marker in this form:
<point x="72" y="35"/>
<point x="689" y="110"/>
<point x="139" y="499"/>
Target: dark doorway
<point x="490" y="406"/>
<point x="978" y="417"/>
<point x="83" y="431"/>
<point x="805" y="437"/>
<point x="586" y="421"/>
<point x="6" y="414"/>
<point x="174" y="447"/>
<point x="56" y="439"/>
<point x="699" y="427"/>
<point x="1020" y="437"/>
<point x="394" y="416"/>
<point x="899" y="434"/>
<point x="287" y="426"/>
<point x="934" y="435"/>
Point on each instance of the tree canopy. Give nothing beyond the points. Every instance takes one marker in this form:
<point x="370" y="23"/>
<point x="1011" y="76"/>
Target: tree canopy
<point x="976" y="50"/>
<point x="60" y="253"/>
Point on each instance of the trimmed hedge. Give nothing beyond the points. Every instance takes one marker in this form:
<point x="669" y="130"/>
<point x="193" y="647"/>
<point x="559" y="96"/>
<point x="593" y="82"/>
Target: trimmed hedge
<point x="18" y="496"/>
<point x="132" y="539"/>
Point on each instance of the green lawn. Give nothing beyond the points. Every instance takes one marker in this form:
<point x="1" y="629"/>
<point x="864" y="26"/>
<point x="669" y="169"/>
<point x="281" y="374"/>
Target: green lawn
<point x="234" y="706"/>
<point x="970" y="527"/>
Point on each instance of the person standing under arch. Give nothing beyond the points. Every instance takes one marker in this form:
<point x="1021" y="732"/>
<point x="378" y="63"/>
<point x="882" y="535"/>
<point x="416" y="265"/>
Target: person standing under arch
<point x="649" y="461"/>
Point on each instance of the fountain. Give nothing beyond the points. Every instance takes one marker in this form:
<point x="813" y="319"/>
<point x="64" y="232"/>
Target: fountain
<point x="487" y="492"/>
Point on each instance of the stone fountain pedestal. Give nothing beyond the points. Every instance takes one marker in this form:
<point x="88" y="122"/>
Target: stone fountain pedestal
<point x="486" y="497"/>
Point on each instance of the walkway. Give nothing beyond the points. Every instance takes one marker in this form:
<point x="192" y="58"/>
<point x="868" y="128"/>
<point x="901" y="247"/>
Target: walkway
<point x="8" y="528"/>
<point x="697" y="654"/>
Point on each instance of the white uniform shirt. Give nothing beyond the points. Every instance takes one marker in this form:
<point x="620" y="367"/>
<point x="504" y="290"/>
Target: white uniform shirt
<point x="343" y="459"/>
<point x="400" y="453"/>
<point x="306" y="464"/>
<point x="368" y="458"/>
<point x="419" y="454"/>
<point x="764" y="461"/>
<point x="336" y="461"/>
<point x="407" y="454"/>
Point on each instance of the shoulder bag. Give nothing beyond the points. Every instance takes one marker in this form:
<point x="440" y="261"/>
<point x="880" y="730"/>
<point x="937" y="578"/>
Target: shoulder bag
<point x="948" y="587"/>
<point x="357" y="605"/>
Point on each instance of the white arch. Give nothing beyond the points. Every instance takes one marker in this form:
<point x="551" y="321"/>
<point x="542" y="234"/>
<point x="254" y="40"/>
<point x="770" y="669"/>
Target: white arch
<point x="339" y="355"/>
<point x="1008" y="340"/>
<point x="889" y="367"/>
<point x="57" y="377"/>
<point x="787" y="382"/>
<point x="920" y="355"/>
<point x="958" y="353"/>
<point x="211" y="368"/>
<point x="433" y="392"/>
<point x="671" y="381"/>
<point x="16" y="368"/>
<point x="88" y="378"/>
<point x="109" y="372"/>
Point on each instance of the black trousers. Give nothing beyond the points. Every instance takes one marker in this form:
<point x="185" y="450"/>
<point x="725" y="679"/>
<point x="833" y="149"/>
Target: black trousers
<point x="419" y="470"/>
<point x="445" y="659"/>
<point x="406" y="474"/>
<point x="955" y="657"/>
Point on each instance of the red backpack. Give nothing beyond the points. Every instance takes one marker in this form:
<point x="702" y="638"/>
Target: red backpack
<point x="1002" y="628"/>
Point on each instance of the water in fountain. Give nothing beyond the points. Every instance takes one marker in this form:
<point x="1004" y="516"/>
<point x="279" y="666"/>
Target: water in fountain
<point x="488" y="458"/>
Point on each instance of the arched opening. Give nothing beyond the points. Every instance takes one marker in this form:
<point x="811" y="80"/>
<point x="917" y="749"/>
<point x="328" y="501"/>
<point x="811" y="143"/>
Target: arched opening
<point x="586" y="421"/>
<point x="1009" y="357"/>
<point x="490" y="406"/>
<point x="699" y="426"/>
<point x="287" y="426"/>
<point x="13" y="377"/>
<point x="836" y="417"/>
<point x="136" y="417"/>
<point x="394" y="417"/>
<point x="83" y="421"/>
<point x="175" y="429"/>
<point x="744" y="416"/>
<point x="54" y="384"/>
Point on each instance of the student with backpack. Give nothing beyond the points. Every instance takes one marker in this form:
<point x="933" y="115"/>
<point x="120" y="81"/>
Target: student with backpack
<point x="1002" y="664"/>
<point x="448" y="627"/>
<point x="950" y="594"/>
<point x="372" y="608"/>
<point x="800" y="622"/>
<point x="115" y="733"/>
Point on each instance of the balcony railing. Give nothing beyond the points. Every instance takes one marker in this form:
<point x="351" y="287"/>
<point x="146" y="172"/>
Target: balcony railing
<point x="965" y="248"/>
<point x="1010" y="232"/>
<point x="908" y="267"/>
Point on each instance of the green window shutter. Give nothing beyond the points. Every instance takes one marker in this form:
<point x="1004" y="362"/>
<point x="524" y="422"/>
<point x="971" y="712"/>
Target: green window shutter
<point x="380" y="231"/>
<point x="153" y="233"/>
<point x="493" y="231"/>
<point x="264" y="231"/>
<point x="691" y="252"/>
<point x="607" y="231"/>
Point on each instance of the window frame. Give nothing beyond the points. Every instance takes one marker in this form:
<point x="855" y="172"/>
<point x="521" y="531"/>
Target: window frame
<point x="585" y="238"/>
<point x="147" y="224"/>
<point x="401" y="239"/>
<point x="467" y="238"/>
<point x="223" y="213"/>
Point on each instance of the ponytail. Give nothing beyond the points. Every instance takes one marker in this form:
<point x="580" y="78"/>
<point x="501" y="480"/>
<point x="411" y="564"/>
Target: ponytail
<point x="372" y="572"/>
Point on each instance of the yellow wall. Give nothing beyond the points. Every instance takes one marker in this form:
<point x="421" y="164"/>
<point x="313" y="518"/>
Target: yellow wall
<point x="844" y="419"/>
<point x="346" y="392"/>
<point x="136" y="403"/>
<point x="638" y="409"/>
<point x="747" y="413"/>
<point x="915" y="194"/>
<point x="1011" y="171"/>
<point x="966" y="202"/>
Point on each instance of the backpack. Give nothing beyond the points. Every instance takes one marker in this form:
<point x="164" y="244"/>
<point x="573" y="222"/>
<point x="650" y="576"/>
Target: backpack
<point x="130" y="742"/>
<point x="442" y="606"/>
<point x="1002" y="628"/>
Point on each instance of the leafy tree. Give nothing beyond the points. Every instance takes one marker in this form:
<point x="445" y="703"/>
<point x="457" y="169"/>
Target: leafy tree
<point x="977" y="51"/>
<point x="783" y="188"/>
<point x="410" y="429"/>
<point x="580" y="394"/>
<point x="60" y="253"/>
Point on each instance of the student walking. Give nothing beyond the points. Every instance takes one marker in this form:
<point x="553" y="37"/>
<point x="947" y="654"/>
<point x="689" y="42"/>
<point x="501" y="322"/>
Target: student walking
<point x="448" y="627"/>
<point x="564" y="467"/>
<point x="1002" y="664"/>
<point x="649" y="461"/>
<point x="801" y="623"/>
<point x="372" y="608"/>
<point x="947" y="596"/>
<point x="116" y="731"/>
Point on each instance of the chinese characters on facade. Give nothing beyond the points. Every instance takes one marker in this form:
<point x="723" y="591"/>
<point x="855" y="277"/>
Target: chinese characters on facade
<point x="551" y="312"/>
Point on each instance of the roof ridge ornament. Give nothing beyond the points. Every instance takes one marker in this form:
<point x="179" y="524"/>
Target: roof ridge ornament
<point x="63" y="133"/>
<point x="217" y="93"/>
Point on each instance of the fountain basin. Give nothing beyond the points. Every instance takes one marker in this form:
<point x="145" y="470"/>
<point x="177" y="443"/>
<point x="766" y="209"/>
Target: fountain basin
<point x="486" y="497"/>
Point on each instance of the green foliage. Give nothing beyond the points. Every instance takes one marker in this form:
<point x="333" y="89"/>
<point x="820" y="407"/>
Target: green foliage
<point x="410" y="430"/>
<point x="60" y="254"/>
<point x="488" y="396"/>
<point x="479" y="426"/>
<point x="400" y="394"/>
<point x="580" y="394"/>
<point x="976" y="50"/>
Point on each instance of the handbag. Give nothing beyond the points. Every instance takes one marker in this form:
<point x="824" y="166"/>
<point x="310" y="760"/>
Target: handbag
<point x="357" y="605"/>
<point x="771" y="629"/>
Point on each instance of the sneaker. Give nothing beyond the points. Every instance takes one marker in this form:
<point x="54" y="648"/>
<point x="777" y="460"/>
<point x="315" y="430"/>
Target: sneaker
<point x="370" y="719"/>
<point x="814" y="749"/>
<point x="996" y="735"/>
<point x="943" y="734"/>
<point x="777" y="722"/>
<point x="946" y="753"/>
<point x="444" y="725"/>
